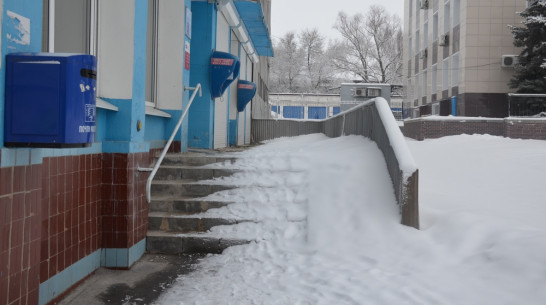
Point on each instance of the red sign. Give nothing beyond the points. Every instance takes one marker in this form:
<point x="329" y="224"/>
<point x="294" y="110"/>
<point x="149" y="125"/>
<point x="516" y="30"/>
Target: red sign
<point x="221" y="61"/>
<point x="245" y="86"/>
<point x="186" y="55"/>
<point x="187" y="61"/>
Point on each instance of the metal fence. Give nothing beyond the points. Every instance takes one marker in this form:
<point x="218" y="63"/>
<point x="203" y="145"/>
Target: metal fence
<point x="527" y="105"/>
<point x="365" y="120"/>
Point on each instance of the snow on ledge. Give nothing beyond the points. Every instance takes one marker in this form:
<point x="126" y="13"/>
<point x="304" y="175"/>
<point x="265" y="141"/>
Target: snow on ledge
<point x="455" y="118"/>
<point x="464" y="119"/>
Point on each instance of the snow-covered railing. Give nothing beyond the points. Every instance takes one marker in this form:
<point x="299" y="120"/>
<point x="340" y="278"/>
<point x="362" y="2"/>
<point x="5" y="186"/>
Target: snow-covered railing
<point x="373" y="120"/>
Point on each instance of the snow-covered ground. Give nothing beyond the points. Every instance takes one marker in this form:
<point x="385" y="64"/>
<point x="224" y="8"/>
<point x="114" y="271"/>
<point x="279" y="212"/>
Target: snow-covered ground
<point x="330" y="233"/>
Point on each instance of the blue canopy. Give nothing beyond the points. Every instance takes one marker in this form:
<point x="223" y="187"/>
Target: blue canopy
<point x="252" y="15"/>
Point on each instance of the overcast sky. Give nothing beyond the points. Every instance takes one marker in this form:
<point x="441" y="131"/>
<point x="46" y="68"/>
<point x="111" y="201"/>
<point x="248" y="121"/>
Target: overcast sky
<point x="297" y="15"/>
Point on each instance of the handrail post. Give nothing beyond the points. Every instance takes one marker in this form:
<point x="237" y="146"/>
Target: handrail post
<point x="154" y="170"/>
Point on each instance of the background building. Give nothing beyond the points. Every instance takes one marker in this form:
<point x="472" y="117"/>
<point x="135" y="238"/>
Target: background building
<point x="315" y="106"/>
<point x="353" y="94"/>
<point x="460" y="51"/>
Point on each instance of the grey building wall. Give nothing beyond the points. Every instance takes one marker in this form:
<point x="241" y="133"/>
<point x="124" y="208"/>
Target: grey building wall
<point x="454" y="48"/>
<point x="353" y="94"/>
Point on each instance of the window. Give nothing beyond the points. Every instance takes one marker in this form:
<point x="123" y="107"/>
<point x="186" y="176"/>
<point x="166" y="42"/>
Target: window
<point x="70" y="26"/>
<point x="445" y="74"/>
<point x="410" y="90"/>
<point x="447" y="16"/>
<point x="436" y="109"/>
<point x="425" y="35"/>
<point x="425" y="91"/>
<point x="456" y="12"/>
<point x="151" y="52"/>
<point x="417" y="47"/>
<point x="410" y="53"/>
<point x="373" y="92"/>
<point x="434" y="78"/>
<point x="531" y="3"/>
<point x="416" y="92"/>
<point x="435" y="27"/>
<point x="455" y="70"/>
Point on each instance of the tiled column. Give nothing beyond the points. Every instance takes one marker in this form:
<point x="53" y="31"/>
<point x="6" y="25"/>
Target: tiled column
<point x="124" y="208"/>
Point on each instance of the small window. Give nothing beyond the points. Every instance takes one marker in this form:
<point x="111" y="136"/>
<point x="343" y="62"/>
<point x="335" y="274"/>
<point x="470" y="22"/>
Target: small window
<point x="409" y="92"/>
<point x="416" y="92"/>
<point x="425" y="35"/>
<point x="434" y="79"/>
<point x="435" y="27"/>
<point x="70" y="26"/>
<point x="373" y="92"/>
<point x="445" y="74"/>
<point x="447" y="16"/>
<point x="436" y="109"/>
<point x="455" y="70"/>
<point x="456" y="12"/>
<point x="424" y="79"/>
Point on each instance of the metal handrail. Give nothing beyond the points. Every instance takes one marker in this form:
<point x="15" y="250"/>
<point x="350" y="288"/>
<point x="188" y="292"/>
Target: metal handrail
<point x="169" y="142"/>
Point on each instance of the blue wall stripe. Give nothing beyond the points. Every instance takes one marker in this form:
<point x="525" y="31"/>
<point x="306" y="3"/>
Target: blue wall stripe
<point x="62" y="281"/>
<point x="121" y="258"/>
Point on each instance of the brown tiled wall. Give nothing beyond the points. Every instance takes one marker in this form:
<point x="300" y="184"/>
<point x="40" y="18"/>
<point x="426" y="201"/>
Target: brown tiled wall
<point x="421" y="129"/>
<point x="58" y="212"/>
<point x="20" y="234"/>
<point x="528" y="129"/>
<point x="71" y="193"/>
<point x="124" y="208"/>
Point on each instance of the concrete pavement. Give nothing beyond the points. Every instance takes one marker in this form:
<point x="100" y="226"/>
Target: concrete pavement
<point x="142" y="284"/>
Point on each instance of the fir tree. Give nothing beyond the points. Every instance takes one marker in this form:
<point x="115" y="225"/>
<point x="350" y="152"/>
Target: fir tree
<point x="530" y="74"/>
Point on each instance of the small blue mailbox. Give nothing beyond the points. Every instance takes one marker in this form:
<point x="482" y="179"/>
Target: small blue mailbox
<point x="245" y="92"/>
<point x="50" y="100"/>
<point x="224" y="69"/>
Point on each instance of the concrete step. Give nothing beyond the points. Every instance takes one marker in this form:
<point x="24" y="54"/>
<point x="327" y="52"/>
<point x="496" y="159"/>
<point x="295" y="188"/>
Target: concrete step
<point x="175" y="243"/>
<point x="192" y="159"/>
<point x="187" y="188"/>
<point x="177" y="172"/>
<point x="180" y="223"/>
<point x="184" y="205"/>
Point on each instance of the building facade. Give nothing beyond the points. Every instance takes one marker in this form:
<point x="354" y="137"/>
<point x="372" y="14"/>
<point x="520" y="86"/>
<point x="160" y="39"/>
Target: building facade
<point x="459" y="56"/>
<point x="68" y="210"/>
<point x="306" y="106"/>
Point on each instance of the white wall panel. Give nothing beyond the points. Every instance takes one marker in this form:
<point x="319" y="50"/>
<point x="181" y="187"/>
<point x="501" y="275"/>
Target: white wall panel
<point x="170" y="54"/>
<point x="221" y="103"/>
<point x="116" y="48"/>
<point x="233" y="86"/>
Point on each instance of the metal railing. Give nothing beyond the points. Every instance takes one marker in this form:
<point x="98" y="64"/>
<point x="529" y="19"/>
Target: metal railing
<point x="169" y="142"/>
<point x="373" y="120"/>
<point x="526" y="105"/>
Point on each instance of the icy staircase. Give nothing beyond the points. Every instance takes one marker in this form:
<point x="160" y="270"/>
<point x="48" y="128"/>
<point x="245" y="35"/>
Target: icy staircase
<point x="175" y="222"/>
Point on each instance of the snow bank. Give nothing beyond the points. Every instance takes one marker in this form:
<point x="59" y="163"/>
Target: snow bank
<point x="334" y="238"/>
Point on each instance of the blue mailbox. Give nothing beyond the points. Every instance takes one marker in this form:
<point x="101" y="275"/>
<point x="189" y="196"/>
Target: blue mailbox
<point x="224" y="69"/>
<point x="50" y="100"/>
<point x="245" y="92"/>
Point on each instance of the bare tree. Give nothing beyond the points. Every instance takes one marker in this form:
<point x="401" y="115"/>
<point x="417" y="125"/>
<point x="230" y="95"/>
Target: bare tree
<point x="354" y="49"/>
<point x="371" y="47"/>
<point x="317" y="66"/>
<point x="287" y="65"/>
